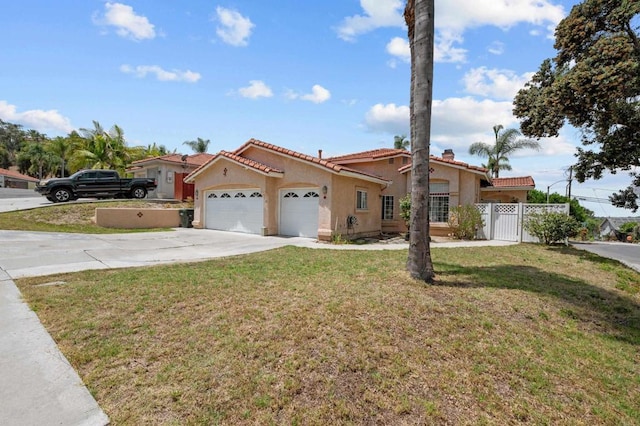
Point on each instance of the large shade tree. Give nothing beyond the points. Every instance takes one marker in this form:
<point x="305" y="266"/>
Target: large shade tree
<point x="506" y="143"/>
<point x="593" y="84"/>
<point x="102" y="149"/>
<point x="419" y="16"/>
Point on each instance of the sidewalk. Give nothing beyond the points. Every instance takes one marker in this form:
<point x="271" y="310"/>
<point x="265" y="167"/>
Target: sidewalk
<point x="40" y="387"/>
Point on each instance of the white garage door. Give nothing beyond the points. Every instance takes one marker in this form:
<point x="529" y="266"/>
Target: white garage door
<point x="299" y="212"/>
<point x="235" y="210"/>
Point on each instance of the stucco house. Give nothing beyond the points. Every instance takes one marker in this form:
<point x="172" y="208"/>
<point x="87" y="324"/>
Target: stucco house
<point x="170" y="171"/>
<point x="610" y="226"/>
<point x="265" y="189"/>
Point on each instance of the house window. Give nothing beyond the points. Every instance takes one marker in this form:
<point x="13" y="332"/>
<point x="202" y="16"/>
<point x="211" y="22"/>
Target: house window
<point x="391" y="160"/>
<point x="387" y="207"/>
<point x="361" y="200"/>
<point x="439" y="202"/>
<point x="405" y="160"/>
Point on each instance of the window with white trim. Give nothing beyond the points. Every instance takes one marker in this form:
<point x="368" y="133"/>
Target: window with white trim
<point x="387" y="207"/>
<point x="361" y="200"/>
<point x="439" y="202"/>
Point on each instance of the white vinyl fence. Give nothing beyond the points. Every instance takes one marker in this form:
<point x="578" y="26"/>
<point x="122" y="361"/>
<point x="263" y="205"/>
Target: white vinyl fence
<point x="506" y="221"/>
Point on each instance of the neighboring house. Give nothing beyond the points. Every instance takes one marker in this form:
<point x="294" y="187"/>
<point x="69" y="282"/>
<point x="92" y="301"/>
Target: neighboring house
<point x="265" y="189"/>
<point x="507" y="190"/>
<point x="170" y="171"/>
<point x="13" y="179"/>
<point x="611" y="225"/>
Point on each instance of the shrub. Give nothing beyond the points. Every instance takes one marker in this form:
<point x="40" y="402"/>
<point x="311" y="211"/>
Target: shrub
<point x="635" y="233"/>
<point x="405" y="209"/>
<point x="628" y="227"/>
<point x="551" y="227"/>
<point x="465" y="221"/>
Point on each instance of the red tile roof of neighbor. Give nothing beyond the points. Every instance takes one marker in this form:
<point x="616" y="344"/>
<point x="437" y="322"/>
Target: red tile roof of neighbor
<point x="512" y="181"/>
<point x="15" y="175"/>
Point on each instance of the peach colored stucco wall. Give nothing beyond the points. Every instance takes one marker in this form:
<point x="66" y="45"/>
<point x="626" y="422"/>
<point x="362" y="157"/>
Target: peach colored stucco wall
<point x="339" y="201"/>
<point x="397" y="188"/>
<point x="130" y="218"/>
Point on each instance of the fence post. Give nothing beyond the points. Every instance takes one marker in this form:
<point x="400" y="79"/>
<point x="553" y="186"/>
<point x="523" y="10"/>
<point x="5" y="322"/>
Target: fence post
<point x="520" y="221"/>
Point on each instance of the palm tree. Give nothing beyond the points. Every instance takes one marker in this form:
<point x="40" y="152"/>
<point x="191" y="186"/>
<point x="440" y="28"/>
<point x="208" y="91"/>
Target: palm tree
<point x="418" y="15"/>
<point x="198" y="146"/>
<point x="102" y="150"/>
<point x="506" y="144"/>
<point x="61" y="149"/>
<point x="34" y="159"/>
<point x="401" y="142"/>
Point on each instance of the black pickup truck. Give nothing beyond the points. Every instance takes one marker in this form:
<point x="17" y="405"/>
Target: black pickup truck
<point x="94" y="184"/>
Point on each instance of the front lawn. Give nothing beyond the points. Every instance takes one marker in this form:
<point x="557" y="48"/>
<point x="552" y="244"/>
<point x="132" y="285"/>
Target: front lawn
<point x="520" y="334"/>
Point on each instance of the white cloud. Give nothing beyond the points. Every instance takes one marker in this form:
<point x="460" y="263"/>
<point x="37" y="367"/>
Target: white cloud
<point x="318" y="95"/>
<point x="496" y="48"/>
<point x="141" y="71"/>
<point x="390" y="118"/>
<point x="234" y="29"/>
<point x="256" y="89"/>
<point x="452" y="19"/>
<point x="399" y="47"/>
<point x="500" y="84"/>
<point x="377" y="13"/>
<point x="126" y="22"/>
<point x="35" y="119"/>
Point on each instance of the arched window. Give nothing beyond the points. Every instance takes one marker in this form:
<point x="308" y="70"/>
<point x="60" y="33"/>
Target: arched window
<point x="291" y="195"/>
<point x="311" y="194"/>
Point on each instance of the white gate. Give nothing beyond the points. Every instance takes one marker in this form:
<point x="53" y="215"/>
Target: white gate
<point x="506" y="221"/>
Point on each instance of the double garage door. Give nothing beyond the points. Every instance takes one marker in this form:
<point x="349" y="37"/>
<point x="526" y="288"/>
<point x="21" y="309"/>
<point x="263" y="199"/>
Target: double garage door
<point x="243" y="211"/>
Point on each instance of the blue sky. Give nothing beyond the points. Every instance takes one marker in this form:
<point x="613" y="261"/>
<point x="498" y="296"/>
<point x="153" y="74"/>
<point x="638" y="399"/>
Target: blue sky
<point x="306" y="75"/>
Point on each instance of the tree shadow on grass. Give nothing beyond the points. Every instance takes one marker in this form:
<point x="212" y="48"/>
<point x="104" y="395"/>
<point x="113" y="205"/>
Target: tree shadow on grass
<point x="608" y="309"/>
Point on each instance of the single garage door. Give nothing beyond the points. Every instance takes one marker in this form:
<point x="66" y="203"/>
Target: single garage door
<point x="299" y="212"/>
<point x="235" y="210"/>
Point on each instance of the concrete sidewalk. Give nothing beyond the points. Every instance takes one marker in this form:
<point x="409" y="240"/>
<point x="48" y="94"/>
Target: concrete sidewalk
<point x="39" y="385"/>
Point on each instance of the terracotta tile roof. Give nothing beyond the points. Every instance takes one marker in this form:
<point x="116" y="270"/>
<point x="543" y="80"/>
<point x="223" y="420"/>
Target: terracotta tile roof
<point x="248" y="162"/>
<point x="15" y="175"/>
<point x="320" y="162"/>
<point x="373" y="154"/>
<point x="192" y="160"/>
<point x="512" y="182"/>
<point x="309" y="158"/>
<point x="461" y="164"/>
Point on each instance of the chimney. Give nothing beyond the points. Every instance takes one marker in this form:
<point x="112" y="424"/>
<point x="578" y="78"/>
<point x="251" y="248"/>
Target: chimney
<point x="448" y="155"/>
<point x="320" y="153"/>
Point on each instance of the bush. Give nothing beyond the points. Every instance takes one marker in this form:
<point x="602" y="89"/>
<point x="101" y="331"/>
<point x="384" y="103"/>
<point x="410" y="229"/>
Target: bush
<point x="551" y="227"/>
<point x="465" y="221"/>
<point x="405" y="209"/>
<point x="628" y="227"/>
<point x="635" y="233"/>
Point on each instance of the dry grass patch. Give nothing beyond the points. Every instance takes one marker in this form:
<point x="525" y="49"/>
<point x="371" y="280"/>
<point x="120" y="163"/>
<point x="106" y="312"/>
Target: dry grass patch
<point x="522" y="334"/>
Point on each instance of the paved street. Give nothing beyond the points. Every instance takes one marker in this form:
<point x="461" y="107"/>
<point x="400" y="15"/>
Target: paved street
<point x="629" y="254"/>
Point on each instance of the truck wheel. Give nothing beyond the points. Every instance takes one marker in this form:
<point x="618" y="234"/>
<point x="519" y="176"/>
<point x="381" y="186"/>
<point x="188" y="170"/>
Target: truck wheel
<point x="139" y="192"/>
<point x="62" y="195"/>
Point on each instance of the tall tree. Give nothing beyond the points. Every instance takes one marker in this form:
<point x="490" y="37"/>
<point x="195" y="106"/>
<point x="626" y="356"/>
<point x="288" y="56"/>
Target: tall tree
<point x="418" y="15"/>
<point x="593" y="83"/>
<point x="506" y="143"/>
<point x="199" y="146"/>
<point x="102" y="149"/>
<point x="12" y="137"/>
<point x="35" y="160"/>
<point x="61" y="149"/>
<point x="401" y="142"/>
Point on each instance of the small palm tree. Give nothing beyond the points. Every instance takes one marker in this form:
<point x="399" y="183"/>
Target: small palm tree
<point x="506" y="144"/>
<point x="401" y="142"/>
<point x="198" y="146"/>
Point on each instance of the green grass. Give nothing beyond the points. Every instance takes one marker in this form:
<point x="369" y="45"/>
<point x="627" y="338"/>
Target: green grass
<point x="72" y="217"/>
<point x="520" y="334"/>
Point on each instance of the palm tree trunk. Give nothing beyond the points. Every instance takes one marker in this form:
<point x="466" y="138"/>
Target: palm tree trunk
<point x="419" y="16"/>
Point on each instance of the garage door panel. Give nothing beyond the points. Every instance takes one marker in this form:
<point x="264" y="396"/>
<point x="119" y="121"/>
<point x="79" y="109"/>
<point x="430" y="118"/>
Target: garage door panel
<point x="299" y="212"/>
<point x="234" y="210"/>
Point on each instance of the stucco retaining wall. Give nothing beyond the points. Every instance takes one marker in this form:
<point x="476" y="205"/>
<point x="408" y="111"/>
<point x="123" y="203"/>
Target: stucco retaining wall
<point x="129" y="218"/>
